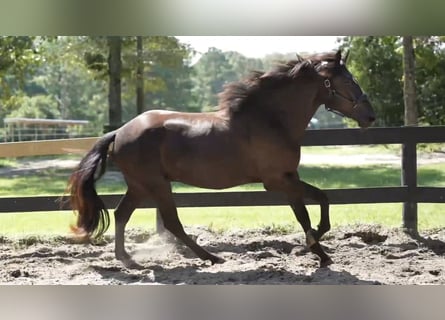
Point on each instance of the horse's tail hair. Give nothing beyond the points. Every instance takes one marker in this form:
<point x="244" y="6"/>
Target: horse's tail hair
<point x="93" y="218"/>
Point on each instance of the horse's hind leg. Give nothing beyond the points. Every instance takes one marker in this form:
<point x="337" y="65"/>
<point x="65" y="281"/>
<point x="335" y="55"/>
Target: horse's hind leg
<point x="122" y="214"/>
<point x="302" y="216"/>
<point x="169" y="214"/>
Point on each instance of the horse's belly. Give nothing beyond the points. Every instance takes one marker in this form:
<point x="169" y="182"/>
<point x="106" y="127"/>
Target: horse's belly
<point x="206" y="163"/>
<point x="211" y="176"/>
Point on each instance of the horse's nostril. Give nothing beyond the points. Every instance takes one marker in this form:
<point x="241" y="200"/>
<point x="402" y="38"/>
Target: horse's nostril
<point x="371" y="119"/>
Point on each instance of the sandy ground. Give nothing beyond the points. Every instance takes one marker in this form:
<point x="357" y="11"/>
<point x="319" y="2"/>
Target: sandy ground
<point x="361" y="254"/>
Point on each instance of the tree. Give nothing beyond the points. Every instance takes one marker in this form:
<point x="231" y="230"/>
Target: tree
<point x="377" y="64"/>
<point x="114" y="72"/>
<point x="430" y="79"/>
<point x="62" y="87"/>
<point x="19" y="57"/>
<point x="69" y="83"/>
<point x="270" y="60"/>
<point x="242" y="65"/>
<point x="211" y="72"/>
<point x="139" y="75"/>
<point x="163" y="63"/>
<point x="72" y="82"/>
<point x="409" y="86"/>
<point x="167" y="74"/>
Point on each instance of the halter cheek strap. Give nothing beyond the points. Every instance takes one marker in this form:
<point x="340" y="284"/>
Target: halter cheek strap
<point x="334" y="93"/>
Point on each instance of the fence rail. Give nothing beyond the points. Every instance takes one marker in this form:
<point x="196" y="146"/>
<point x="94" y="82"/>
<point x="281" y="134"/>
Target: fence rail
<point x="408" y="193"/>
<point x="45" y="147"/>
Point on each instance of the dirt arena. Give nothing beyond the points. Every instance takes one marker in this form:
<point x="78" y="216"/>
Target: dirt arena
<point x="361" y="254"/>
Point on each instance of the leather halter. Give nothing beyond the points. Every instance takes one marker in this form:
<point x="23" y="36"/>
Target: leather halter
<point x="334" y="93"/>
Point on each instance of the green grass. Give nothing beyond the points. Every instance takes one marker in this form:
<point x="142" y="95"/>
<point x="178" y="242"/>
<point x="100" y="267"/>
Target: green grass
<point x="45" y="182"/>
<point x="220" y="219"/>
<point x="53" y="182"/>
<point x="351" y="150"/>
<point x="7" y="163"/>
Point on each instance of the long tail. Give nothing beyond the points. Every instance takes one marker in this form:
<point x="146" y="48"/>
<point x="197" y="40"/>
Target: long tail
<point x="92" y="216"/>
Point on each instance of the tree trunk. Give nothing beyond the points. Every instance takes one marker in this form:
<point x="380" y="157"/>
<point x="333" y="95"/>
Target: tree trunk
<point x="409" y="86"/>
<point x="139" y="76"/>
<point x="409" y="174"/>
<point x="114" y="93"/>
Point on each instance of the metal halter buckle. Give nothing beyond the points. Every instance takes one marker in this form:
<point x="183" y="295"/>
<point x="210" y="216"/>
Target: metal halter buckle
<point x="327" y="83"/>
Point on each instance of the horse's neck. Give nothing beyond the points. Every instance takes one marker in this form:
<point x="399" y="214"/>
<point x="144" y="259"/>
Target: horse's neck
<point x="288" y="109"/>
<point x="297" y="110"/>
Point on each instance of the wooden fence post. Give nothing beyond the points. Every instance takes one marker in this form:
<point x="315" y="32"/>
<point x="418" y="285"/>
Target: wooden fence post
<point x="409" y="180"/>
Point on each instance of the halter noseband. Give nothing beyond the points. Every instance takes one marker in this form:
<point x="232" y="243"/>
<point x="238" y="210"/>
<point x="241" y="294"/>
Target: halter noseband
<point x="334" y="93"/>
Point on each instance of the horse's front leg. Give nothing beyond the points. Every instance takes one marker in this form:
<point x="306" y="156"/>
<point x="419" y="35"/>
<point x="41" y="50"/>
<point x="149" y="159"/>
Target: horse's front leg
<point x="318" y="195"/>
<point x="296" y="190"/>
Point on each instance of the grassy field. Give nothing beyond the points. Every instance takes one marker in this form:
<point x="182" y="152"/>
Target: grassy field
<point x="278" y="218"/>
<point x="53" y="182"/>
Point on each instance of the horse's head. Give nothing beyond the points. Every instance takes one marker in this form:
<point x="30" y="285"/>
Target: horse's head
<point x="342" y="93"/>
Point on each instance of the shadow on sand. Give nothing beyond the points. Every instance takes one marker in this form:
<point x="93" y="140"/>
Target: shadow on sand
<point x="192" y="275"/>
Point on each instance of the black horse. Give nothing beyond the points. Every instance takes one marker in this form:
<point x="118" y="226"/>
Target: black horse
<point x="254" y="136"/>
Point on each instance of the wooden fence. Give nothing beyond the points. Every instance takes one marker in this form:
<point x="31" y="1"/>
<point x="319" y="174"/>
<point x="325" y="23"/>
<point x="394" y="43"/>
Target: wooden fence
<point x="407" y="193"/>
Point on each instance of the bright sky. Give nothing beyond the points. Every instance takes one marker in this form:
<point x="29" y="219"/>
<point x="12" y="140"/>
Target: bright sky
<point x="259" y="46"/>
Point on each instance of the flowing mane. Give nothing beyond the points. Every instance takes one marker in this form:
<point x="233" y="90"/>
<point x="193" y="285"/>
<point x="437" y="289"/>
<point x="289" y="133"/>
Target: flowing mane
<point x="236" y="95"/>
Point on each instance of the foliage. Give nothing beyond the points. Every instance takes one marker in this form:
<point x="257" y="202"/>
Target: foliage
<point x="167" y="82"/>
<point x="18" y="58"/>
<point x="430" y="76"/>
<point x="67" y="77"/>
<point x="70" y="84"/>
<point x="211" y="72"/>
<point x="167" y="70"/>
<point x="377" y="64"/>
<point x="72" y="81"/>
<point x="38" y="106"/>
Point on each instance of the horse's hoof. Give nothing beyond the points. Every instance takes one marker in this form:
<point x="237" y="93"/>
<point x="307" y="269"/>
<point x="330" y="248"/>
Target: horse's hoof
<point x="131" y="264"/>
<point x="217" y="260"/>
<point x="325" y="263"/>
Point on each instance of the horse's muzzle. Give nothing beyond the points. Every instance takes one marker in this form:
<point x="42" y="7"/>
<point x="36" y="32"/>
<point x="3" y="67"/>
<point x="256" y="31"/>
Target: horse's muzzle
<point x="365" y="114"/>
